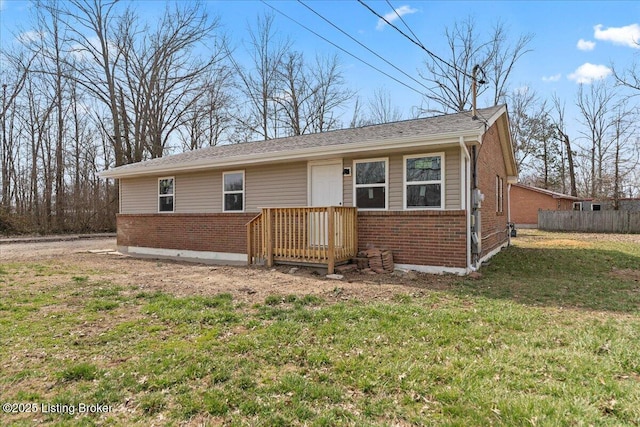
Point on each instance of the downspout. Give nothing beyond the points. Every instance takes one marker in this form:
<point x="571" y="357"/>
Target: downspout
<point x="474" y="208"/>
<point x="466" y="199"/>
<point x="508" y="214"/>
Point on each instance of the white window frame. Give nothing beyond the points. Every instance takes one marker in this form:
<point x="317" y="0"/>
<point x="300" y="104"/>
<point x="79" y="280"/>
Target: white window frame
<point x="173" y="178"/>
<point x="244" y="184"/>
<point x="599" y="205"/>
<point x="578" y="205"/>
<point x="442" y="180"/>
<point x="354" y="173"/>
<point x="499" y="194"/>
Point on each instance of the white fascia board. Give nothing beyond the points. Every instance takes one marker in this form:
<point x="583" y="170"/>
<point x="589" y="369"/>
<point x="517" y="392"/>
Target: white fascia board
<point x="302" y="154"/>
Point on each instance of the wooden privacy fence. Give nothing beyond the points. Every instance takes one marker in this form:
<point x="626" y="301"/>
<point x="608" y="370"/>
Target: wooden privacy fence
<point x="590" y="221"/>
<point x="306" y="235"/>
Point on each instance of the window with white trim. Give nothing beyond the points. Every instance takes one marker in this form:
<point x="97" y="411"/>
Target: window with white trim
<point x="424" y="181"/>
<point x="165" y="194"/>
<point x="233" y="191"/>
<point x="371" y="183"/>
<point x="499" y="195"/>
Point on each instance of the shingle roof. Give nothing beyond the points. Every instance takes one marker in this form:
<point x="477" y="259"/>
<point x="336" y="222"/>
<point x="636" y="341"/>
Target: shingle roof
<point x="438" y="125"/>
<point x="553" y="194"/>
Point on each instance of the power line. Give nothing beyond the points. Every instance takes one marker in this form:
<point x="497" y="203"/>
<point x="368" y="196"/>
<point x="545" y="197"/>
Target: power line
<point x="360" y="43"/>
<point x="405" y="23"/>
<point x="340" y="48"/>
<point x="420" y="45"/>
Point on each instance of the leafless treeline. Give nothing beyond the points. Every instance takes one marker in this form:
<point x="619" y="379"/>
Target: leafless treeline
<point x="93" y="85"/>
<point x="599" y="158"/>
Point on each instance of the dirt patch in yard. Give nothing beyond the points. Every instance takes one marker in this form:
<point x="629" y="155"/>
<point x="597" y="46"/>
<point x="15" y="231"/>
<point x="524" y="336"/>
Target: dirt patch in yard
<point x="626" y="274"/>
<point x="246" y="284"/>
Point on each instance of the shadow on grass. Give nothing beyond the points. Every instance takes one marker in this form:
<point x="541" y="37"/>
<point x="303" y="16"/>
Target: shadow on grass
<point x="592" y="279"/>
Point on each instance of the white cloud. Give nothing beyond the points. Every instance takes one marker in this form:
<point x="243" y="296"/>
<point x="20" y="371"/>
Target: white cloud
<point x="587" y="73"/>
<point x="554" y="78"/>
<point x="393" y="16"/>
<point x="586" y="44"/>
<point x="626" y="36"/>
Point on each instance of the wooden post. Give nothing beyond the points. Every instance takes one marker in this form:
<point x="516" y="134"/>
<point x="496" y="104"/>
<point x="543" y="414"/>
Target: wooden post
<point x="249" y="256"/>
<point x="269" y="239"/>
<point x="354" y="230"/>
<point x="332" y="240"/>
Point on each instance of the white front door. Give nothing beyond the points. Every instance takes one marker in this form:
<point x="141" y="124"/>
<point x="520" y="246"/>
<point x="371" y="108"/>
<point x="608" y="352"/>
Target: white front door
<point x="326" y="183"/>
<point x="325" y="190"/>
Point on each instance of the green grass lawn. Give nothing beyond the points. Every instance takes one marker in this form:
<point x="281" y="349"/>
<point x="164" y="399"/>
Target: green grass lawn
<point x="549" y="336"/>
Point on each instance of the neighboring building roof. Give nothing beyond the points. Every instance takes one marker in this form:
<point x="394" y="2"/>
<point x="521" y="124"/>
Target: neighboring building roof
<point x="437" y="130"/>
<point x="553" y="194"/>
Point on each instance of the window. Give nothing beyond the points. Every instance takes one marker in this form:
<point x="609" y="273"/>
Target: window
<point x="233" y="191"/>
<point x="595" y="207"/>
<point x="577" y="206"/>
<point x="370" y="183"/>
<point x="499" y="195"/>
<point x="165" y="194"/>
<point x="424" y="181"/>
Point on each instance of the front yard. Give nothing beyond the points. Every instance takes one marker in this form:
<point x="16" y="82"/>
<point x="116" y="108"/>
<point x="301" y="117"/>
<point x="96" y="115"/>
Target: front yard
<point x="548" y="336"/>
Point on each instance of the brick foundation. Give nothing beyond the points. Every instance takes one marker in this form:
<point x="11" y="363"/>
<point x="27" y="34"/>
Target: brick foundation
<point x="430" y="238"/>
<point x="221" y="232"/>
<point x="426" y="238"/>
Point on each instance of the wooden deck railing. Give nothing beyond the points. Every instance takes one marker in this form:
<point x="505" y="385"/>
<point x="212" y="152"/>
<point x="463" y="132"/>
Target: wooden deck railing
<point x="310" y="235"/>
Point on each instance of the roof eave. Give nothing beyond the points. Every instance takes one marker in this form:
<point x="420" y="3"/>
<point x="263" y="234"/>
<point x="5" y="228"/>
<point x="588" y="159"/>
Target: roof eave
<point x="300" y="154"/>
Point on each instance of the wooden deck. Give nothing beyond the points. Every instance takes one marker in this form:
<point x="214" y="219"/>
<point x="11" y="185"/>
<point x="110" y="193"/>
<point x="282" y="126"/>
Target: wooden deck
<point x="305" y="235"/>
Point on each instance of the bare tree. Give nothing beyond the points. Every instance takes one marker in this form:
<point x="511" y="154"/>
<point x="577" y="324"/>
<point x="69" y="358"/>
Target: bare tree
<point x="14" y="76"/>
<point x="174" y="79"/>
<point x="211" y="116"/>
<point x="525" y="107"/>
<point x="626" y="154"/>
<point x="381" y="108"/>
<point x="595" y="105"/>
<point x="329" y="95"/>
<point x="295" y="94"/>
<point x="503" y="59"/>
<point x="91" y="26"/>
<point x="259" y="85"/>
<point x="561" y="133"/>
<point x="450" y="82"/>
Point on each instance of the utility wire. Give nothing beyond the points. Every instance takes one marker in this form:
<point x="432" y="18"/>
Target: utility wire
<point x="405" y="23"/>
<point x="420" y="45"/>
<point x="338" y="47"/>
<point x="360" y="43"/>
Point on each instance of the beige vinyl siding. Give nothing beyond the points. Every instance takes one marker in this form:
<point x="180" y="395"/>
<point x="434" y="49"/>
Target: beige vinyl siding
<point x="139" y="195"/>
<point x="283" y="184"/>
<point x="199" y="193"/>
<point x="347" y="184"/>
<point x="395" y="182"/>
<point x="453" y="190"/>
<point x="452" y="178"/>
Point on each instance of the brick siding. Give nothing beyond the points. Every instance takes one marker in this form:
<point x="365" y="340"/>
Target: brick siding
<point x="526" y="203"/>
<point x="490" y="165"/>
<point x="222" y="232"/>
<point x="433" y="238"/>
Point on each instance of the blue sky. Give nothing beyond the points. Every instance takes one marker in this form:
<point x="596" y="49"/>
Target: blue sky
<point x="574" y="41"/>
